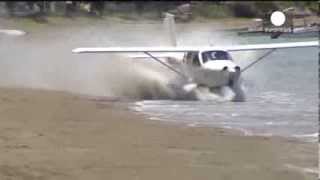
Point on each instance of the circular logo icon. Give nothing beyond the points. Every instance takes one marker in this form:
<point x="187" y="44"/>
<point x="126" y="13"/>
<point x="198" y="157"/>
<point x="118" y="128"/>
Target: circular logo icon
<point x="278" y="18"/>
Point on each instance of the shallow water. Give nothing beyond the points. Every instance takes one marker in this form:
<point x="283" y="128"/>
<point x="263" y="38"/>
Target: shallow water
<point x="282" y="90"/>
<point x="282" y="98"/>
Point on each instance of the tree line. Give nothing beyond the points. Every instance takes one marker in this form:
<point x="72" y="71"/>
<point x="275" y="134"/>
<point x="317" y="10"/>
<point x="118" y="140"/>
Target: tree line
<point x="209" y="9"/>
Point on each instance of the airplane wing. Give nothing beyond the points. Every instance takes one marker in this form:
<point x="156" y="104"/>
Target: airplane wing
<point x="162" y="49"/>
<point x="158" y="55"/>
<point x="273" y="46"/>
<point x="158" y="49"/>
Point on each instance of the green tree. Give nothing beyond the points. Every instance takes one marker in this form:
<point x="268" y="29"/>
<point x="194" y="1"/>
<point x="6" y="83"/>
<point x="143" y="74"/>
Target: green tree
<point x="10" y="7"/>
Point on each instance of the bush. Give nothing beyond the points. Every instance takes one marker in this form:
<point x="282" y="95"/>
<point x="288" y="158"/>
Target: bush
<point x="244" y="10"/>
<point x="211" y="10"/>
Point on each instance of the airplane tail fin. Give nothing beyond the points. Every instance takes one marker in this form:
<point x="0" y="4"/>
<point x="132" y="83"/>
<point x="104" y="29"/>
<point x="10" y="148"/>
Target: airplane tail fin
<point x="170" y="27"/>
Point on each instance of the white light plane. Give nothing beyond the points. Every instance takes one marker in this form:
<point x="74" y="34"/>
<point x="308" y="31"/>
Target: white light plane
<point x="211" y="67"/>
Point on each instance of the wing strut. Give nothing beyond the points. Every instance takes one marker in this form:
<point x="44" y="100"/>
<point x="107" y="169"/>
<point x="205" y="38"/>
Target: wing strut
<point x="259" y="59"/>
<point x="168" y="66"/>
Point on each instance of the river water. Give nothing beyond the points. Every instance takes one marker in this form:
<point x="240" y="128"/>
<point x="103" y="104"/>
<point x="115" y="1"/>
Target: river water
<point x="281" y="90"/>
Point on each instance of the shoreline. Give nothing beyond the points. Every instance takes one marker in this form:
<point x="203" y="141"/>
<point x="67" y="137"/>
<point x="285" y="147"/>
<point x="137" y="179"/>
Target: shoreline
<point x="232" y="131"/>
<point x="239" y="132"/>
<point x="123" y="105"/>
<point x="228" y="23"/>
<point x="64" y="136"/>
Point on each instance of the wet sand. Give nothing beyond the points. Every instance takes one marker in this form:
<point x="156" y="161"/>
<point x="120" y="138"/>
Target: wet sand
<point x="56" y="135"/>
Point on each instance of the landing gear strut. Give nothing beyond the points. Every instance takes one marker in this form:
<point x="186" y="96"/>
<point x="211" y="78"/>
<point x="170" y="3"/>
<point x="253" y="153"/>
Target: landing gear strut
<point x="236" y="86"/>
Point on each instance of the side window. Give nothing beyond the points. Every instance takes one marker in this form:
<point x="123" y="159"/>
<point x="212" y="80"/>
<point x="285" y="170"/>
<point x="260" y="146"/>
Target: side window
<point x="184" y="60"/>
<point x="189" y="55"/>
<point x="205" y="57"/>
<point x="195" y="60"/>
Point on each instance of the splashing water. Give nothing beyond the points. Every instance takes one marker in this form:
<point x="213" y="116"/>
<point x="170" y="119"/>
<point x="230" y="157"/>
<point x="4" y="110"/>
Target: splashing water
<point x="43" y="59"/>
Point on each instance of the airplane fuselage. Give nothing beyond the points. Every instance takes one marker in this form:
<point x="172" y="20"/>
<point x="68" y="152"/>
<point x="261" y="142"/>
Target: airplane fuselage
<point x="211" y="68"/>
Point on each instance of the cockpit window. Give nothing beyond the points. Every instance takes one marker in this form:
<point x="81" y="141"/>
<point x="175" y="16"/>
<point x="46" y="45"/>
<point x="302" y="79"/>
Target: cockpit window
<point x="215" y="55"/>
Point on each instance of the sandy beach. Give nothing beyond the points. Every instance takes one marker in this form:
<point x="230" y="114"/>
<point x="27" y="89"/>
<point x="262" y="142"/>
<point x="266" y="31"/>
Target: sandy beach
<point x="55" y="135"/>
